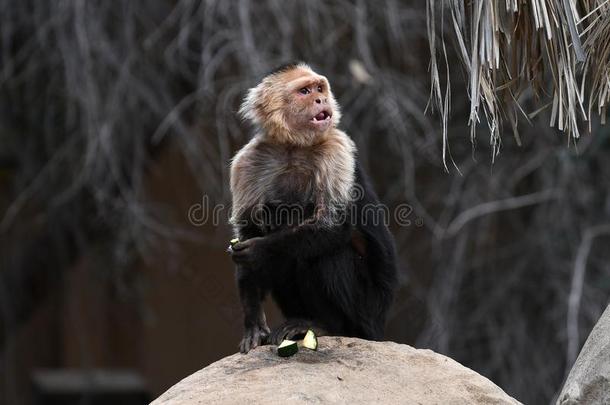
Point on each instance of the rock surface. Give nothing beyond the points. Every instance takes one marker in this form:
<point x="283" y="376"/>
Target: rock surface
<point x="589" y="380"/>
<point x="342" y="371"/>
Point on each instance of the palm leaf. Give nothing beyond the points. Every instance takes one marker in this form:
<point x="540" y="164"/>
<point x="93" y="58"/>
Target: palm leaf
<point x="556" y="52"/>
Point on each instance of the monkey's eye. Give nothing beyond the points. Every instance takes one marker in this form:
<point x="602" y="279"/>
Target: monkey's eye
<point x="304" y="90"/>
<point x="320" y="89"/>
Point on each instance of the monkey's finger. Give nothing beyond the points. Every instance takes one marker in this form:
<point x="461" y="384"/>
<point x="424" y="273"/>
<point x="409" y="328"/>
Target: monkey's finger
<point x="240" y="246"/>
<point x="240" y="253"/>
<point x="241" y="257"/>
<point x="244" y="345"/>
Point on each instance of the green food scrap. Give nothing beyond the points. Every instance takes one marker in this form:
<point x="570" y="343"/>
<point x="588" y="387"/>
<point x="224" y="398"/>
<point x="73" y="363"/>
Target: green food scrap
<point x="287" y="348"/>
<point x="310" y="340"/>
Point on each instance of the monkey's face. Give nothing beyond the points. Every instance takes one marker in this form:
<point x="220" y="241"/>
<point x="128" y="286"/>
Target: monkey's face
<point x="309" y="104"/>
<point x="292" y="104"/>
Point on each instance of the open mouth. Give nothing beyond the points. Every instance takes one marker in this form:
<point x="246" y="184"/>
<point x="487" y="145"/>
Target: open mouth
<point x="321" y="116"/>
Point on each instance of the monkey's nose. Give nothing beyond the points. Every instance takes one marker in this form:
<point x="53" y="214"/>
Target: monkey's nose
<point x="318" y="100"/>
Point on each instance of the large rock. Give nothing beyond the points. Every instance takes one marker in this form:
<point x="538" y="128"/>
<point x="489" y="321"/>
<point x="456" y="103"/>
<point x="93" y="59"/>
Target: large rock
<point x="342" y="371"/>
<point x="589" y="380"/>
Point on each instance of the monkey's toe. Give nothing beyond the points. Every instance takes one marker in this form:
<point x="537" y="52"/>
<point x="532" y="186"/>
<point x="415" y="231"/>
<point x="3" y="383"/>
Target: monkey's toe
<point x="253" y="337"/>
<point x="293" y="330"/>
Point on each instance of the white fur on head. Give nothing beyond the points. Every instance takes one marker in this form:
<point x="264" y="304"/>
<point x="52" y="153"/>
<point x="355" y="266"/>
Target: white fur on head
<point x="265" y="104"/>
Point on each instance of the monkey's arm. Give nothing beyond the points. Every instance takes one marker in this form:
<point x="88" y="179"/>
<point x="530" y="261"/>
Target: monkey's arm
<point x="251" y="296"/>
<point x="365" y="231"/>
<point x="311" y="240"/>
<point x="303" y="241"/>
<point x="252" y="289"/>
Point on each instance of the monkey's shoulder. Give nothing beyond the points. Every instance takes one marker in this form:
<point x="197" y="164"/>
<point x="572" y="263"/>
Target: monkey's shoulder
<point x="332" y="156"/>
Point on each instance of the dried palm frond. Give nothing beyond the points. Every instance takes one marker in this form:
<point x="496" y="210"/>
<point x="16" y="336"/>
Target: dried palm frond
<point x="597" y="64"/>
<point x="508" y="47"/>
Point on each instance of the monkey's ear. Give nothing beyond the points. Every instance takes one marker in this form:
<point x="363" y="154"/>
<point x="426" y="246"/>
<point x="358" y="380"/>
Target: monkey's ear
<point x="251" y="108"/>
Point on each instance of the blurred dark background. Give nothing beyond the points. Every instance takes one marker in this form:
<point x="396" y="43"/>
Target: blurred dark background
<point x="117" y="124"/>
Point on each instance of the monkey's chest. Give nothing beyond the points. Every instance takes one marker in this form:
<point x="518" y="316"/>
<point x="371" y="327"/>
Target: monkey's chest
<point x="293" y="184"/>
<point x="283" y="185"/>
<point x="291" y="196"/>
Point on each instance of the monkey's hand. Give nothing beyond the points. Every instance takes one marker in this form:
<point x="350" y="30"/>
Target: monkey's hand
<point x="254" y="336"/>
<point x="250" y="251"/>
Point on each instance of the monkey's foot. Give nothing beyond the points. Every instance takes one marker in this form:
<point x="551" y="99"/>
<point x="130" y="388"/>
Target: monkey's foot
<point x="253" y="337"/>
<point x="293" y="329"/>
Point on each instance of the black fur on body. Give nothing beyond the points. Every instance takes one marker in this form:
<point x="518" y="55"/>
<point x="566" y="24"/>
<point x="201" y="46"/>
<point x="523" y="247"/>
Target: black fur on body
<point x="327" y="261"/>
<point x="337" y="278"/>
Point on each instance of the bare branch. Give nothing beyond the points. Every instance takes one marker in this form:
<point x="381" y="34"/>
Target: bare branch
<point x="576" y="288"/>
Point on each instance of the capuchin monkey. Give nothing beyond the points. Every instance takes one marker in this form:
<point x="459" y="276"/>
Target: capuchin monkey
<point x="303" y="211"/>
